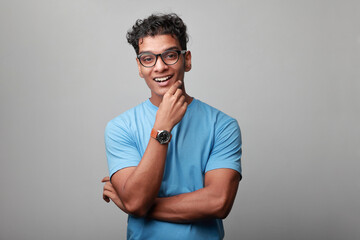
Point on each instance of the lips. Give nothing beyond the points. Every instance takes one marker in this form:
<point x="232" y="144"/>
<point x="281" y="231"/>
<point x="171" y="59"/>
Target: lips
<point x="162" y="79"/>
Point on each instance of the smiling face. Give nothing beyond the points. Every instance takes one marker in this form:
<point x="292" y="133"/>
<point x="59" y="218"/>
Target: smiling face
<point x="161" y="77"/>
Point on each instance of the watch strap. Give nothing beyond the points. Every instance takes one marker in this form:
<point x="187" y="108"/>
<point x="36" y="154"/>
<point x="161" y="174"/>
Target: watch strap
<point x="154" y="133"/>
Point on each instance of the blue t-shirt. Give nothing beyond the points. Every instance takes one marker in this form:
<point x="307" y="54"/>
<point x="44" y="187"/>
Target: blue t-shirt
<point x="205" y="139"/>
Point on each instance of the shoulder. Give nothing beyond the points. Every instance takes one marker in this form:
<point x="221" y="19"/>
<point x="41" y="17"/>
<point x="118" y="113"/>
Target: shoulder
<point x="124" y="120"/>
<point x="213" y="114"/>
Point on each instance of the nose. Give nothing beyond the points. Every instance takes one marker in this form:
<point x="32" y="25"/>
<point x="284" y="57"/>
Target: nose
<point x="160" y="66"/>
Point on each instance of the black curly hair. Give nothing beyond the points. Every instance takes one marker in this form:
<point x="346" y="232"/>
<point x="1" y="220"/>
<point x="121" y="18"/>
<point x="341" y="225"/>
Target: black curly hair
<point x="158" y="24"/>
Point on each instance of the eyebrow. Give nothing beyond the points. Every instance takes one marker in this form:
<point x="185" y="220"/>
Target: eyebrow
<point x="170" y="48"/>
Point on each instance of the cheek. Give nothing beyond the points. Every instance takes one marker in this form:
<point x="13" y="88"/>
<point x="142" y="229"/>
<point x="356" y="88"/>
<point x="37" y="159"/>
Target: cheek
<point x="181" y="68"/>
<point x="144" y="73"/>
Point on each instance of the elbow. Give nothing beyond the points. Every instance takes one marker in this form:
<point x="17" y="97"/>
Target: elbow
<point x="222" y="214"/>
<point x="222" y="209"/>
<point x="136" y="209"/>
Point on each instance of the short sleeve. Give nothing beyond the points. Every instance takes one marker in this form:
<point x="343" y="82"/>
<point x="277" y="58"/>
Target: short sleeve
<point x="121" y="150"/>
<point x="226" y="151"/>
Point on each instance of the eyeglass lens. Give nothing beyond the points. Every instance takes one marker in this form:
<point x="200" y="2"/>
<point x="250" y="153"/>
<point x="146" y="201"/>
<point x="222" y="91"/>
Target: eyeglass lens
<point x="169" y="57"/>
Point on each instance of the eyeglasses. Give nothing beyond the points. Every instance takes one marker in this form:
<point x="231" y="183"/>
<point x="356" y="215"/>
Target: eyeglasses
<point x="169" y="57"/>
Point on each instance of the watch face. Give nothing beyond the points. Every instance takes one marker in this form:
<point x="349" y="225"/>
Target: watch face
<point x="163" y="136"/>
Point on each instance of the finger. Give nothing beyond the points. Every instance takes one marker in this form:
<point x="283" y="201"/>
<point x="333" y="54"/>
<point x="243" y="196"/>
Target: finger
<point x="106" y="198"/>
<point x="178" y="93"/>
<point x="108" y="195"/>
<point x="105" y="179"/>
<point x="108" y="187"/>
<point x="175" y="86"/>
<point x="181" y="100"/>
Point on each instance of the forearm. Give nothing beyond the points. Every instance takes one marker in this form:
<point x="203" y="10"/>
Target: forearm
<point x="141" y="187"/>
<point x="215" y="200"/>
<point x="189" y="207"/>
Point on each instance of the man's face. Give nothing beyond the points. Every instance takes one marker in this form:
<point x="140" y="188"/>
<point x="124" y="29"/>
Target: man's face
<point x="161" y="77"/>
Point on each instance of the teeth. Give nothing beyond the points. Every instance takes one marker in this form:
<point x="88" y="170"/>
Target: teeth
<point x="162" y="79"/>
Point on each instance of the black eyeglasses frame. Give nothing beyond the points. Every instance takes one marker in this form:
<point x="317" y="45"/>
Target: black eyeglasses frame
<point x="179" y="52"/>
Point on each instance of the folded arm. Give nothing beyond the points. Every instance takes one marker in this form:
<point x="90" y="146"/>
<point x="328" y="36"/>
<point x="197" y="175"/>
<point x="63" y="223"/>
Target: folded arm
<point x="215" y="200"/>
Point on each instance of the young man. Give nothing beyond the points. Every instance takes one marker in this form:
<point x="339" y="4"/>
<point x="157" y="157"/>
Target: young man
<point x="174" y="161"/>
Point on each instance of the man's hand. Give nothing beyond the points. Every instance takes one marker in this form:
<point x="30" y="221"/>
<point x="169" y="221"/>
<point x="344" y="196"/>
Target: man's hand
<point x="110" y="193"/>
<point x="171" y="109"/>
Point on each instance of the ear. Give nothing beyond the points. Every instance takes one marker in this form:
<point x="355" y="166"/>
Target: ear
<point x="187" y="61"/>
<point x="139" y="67"/>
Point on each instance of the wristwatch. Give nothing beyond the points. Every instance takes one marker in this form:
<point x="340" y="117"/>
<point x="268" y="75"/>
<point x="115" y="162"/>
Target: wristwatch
<point x="162" y="136"/>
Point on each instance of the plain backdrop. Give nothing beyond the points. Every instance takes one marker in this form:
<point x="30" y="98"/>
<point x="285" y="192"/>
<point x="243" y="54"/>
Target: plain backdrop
<point x="288" y="71"/>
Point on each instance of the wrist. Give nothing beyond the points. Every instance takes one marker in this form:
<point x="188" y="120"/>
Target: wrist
<point x="159" y="126"/>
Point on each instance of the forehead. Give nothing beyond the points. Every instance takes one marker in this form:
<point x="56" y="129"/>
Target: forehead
<point x="158" y="43"/>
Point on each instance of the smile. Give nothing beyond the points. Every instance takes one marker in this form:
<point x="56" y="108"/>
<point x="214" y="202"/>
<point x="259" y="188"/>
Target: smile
<point x="162" y="79"/>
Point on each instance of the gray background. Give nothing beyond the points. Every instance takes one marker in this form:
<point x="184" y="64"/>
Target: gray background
<point x="287" y="70"/>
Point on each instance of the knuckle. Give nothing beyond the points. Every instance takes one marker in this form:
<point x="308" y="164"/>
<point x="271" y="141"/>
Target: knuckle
<point x="173" y="98"/>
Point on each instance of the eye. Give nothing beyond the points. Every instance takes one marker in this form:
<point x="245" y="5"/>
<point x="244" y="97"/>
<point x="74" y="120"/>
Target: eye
<point x="170" y="55"/>
<point x="147" y="58"/>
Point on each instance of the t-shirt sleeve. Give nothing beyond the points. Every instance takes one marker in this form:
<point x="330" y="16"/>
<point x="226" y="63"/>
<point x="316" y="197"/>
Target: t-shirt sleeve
<point x="226" y="151"/>
<point x="121" y="150"/>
